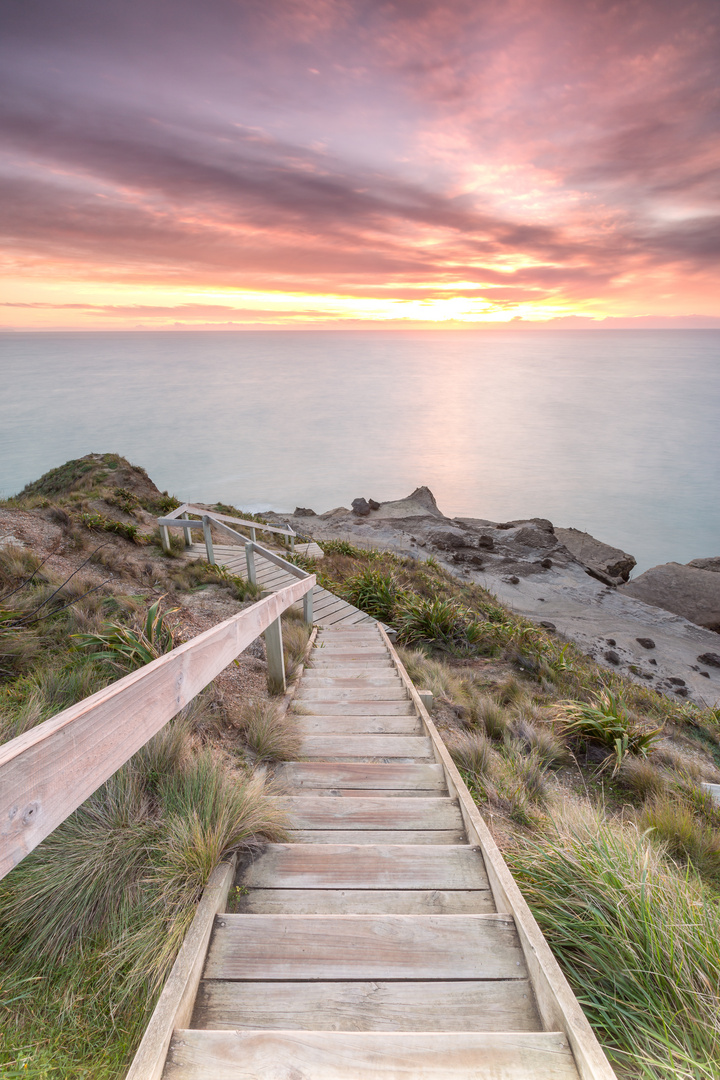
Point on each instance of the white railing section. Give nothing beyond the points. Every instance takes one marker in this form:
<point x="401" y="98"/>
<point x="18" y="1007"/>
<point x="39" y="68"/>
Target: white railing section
<point x="251" y="548"/>
<point x="47" y="772"/>
<point x="178" y="519"/>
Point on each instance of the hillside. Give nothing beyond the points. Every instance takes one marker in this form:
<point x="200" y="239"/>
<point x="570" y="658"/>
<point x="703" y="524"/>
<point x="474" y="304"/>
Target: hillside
<point x="591" y="781"/>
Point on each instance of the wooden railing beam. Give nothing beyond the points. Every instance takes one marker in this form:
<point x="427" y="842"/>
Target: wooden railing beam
<point x="47" y="772"/>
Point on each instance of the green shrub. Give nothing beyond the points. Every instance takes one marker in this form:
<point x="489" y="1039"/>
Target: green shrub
<point x="606" y="722"/>
<point x="373" y="592"/>
<point x="126" y="649"/>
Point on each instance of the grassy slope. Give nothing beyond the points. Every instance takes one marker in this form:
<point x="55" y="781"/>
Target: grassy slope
<point x="91" y="921"/>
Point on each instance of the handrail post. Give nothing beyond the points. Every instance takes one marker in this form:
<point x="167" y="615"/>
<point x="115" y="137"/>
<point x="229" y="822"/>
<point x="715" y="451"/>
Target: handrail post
<point x="253" y="533"/>
<point x="207" y="533"/>
<point x="308" y="607"/>
<point x="165" y="539"/>
<point x="187" y="533"/>
<point x="275" y="659"/>
<point x="250" y="560"/>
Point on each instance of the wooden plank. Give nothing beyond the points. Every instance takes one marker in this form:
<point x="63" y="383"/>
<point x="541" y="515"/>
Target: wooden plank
<point x="47" y="772"/>
<point x="361" y="680"/>
<point x="308" y="812"/>
<point x="367" y="902"/>
<point x="360" y="775"/>
<point x="351" y="708"/>
<point x="351" y="866"/>
<point x="369" y="1055"/>
<point x="557" y="1004"/>
<point x="359" y="793"/>
<point x="350" y="662"/>
<point x="359" y="725"/>
<point x="371" y="836"/>
<point x="469" y="1005"/>
<point x="313" y="947"/>
<point x="339" y="616"/>
<point x="366" y="746"/>
<point x="175" y="1003"/>
<point x="352" y="693"/>
<point x="285" y="531"/>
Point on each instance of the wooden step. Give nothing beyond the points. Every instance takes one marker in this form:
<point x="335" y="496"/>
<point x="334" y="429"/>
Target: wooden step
<point x="372" y="836"/>
<point x="470" y="1005"/>
<point x="352" y="708"/>
<point x="366" y="902"/>
<point x="356" y="693"/>
<point x="317" y="774"/>
<point x="366" y="746"/>
<point x="368" y="1055"/>
<point x="363" y="793"/>
<point x="369" y="812"/>
<point x="446" y="947"/>
<point x="372" y="866"/>
<point x="359" y="725"/>
<point x="360" y="680"/>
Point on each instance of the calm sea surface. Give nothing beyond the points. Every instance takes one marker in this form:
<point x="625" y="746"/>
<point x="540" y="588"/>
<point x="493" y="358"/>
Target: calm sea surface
<point x="616" y="432"/>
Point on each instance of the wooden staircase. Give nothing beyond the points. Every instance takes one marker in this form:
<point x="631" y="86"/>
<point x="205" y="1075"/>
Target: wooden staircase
<point x="388" y="940"/>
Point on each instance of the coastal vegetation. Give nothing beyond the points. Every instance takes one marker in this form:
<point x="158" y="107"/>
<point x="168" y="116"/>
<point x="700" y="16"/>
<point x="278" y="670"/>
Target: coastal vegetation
<point x="91" y="921"/>
<point x="591" y="784"/>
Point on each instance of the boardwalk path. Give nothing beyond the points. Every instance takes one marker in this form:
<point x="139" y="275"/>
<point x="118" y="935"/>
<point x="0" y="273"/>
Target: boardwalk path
<point x="372" y="945"/>
<point x="328" y="609"/>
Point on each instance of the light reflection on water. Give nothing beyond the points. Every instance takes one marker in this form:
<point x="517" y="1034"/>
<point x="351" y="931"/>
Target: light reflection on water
<point x="615" y="432"/>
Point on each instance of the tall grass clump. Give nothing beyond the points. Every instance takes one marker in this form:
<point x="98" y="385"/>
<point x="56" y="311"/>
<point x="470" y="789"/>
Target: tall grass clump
<point x="270" y="734"/>
<point x="639" y="942"/>
<point x="686" y="834"/>
<point x="90" y="922"/>
<point x="125" y="648"/>
<point x="295" y="637"/>
<point x="440" y="623"/>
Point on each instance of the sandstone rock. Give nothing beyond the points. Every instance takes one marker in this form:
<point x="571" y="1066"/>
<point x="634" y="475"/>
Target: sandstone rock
<point x="547" y="624"/>
<point x="612" y="657"/>
<point x="706" y="564"/>
<point x="611" y="564"/>
<point x="303" y="511"/>
<point x="712" y="659"/>
<point x="360" y="507"/>
<point x="684" y="590"/>
<point x="446" y="539"/>
<point x="373" y="504"/>
<point x="676" y="682"/>
<point x="535" y="538"/>
<point x="646" y="642"/>
<point x="485" y="541"/>
<point x="546" y="564"/>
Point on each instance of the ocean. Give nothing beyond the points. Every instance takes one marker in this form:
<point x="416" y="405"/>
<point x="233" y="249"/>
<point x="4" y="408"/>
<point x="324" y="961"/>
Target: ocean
<point x="613" y="431"/>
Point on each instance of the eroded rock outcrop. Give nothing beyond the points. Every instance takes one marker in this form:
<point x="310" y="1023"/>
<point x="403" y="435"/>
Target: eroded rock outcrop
<point x="684" y="590"/>
<point x="612" y="565"/>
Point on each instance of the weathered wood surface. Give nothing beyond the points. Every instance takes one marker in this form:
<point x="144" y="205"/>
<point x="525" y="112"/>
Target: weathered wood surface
<point x="378" y="812"/>
<point x="368" y="1006"/>
<point x="378" y="866"/>
<point x="367" y="902"/>
<point x="47" y="772"/>
<point x="357" y="693"/>
<point x="347" y="708"/>
<point x="359" y="725"/>
<point x="353" y="774"/>
<point x="176" y="1002"/>
<point x="372" y="947"/>
<point x="318" y="1055"/>
<point x="315" y="680"/>
<point x="364" y="746"/>
<point x="377" y="836"/>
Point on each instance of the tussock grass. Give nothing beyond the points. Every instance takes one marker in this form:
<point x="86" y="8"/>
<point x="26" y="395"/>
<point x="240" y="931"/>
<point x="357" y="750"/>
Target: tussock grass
<point x="472" y="753"/>
<point x="687" y="835"/>
<point x="105" y="900"/>
<point x="642" y="778"/>
<point x="268" y="733"/>
<point x="639" y="942"/>
<point x="295" y="636"/>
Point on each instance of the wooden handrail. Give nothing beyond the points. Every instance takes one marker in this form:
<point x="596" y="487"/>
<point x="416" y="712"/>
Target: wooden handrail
<point x="47" y="772"/>
<point x="172" y="519"/>
<point x="251" y="547"/>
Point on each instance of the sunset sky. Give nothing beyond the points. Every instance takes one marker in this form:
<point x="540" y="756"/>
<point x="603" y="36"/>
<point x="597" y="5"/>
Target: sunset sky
<point x="333" y="163"/>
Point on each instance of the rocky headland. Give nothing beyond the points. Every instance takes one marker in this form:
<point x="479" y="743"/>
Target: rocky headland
<point x="660" y="629"/>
